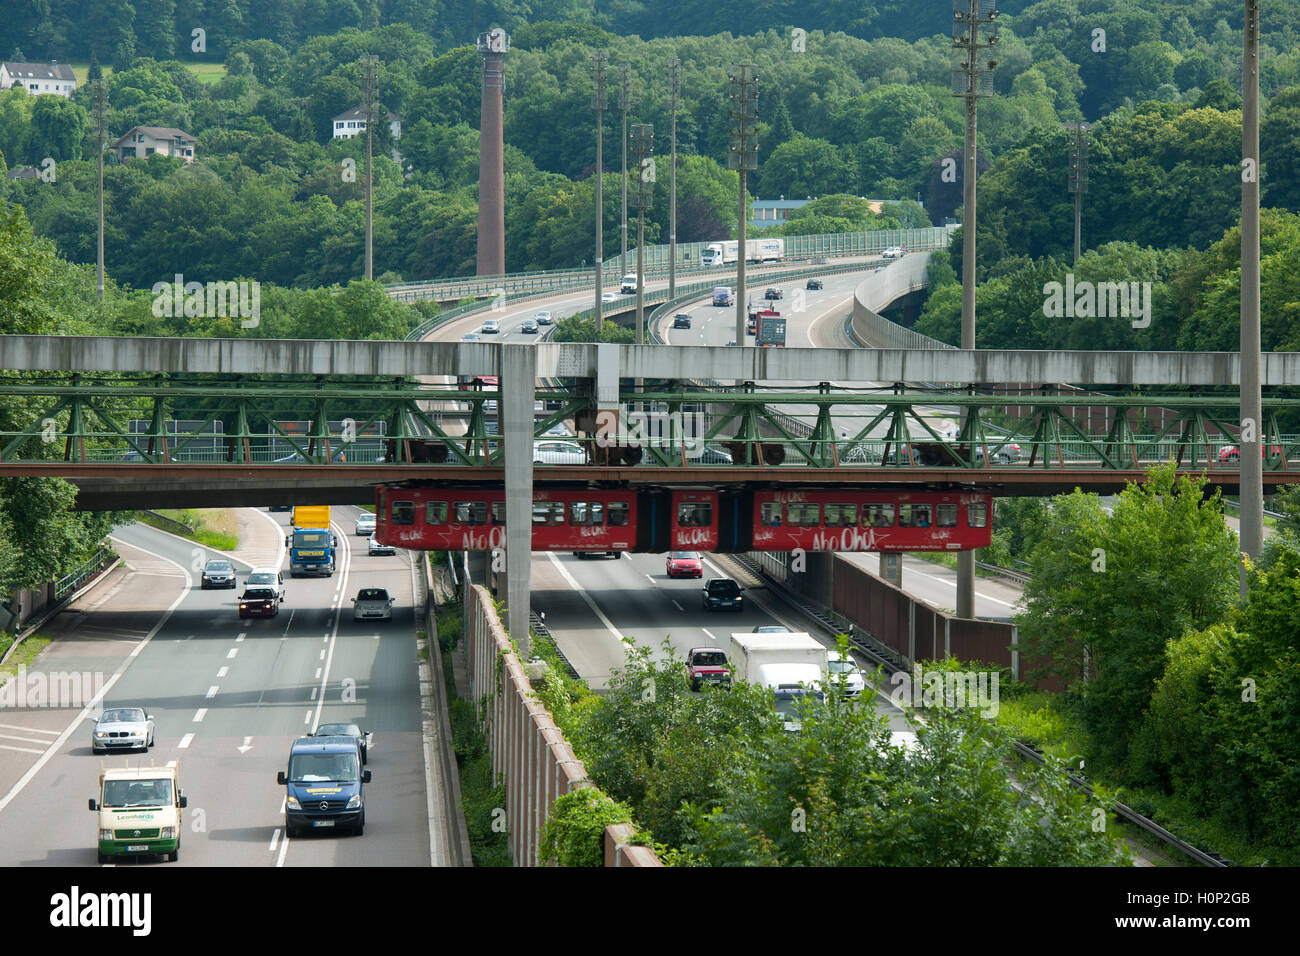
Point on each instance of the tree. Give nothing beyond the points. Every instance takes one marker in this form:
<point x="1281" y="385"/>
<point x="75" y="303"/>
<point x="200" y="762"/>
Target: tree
<point x="808" y="167"/>
<point x="1090" y="606"/>
<point x="58" y="126"/>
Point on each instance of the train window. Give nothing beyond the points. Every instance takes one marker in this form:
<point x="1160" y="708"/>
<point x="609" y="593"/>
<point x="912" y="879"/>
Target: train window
<point x="841" y="515"/>
<point x="548" y="512"/>
<point x="694" y="514"/>
<point x="499" y="513"/>
<point x="471" y="513"/>
<point x="770" y="514"/>
<point x="914" y="516"/>
<point x="878" y="516"/>
<point x="977" y="515"/>
<point x="435" y="512"/>
<point x="585" y="513"/>
<point x="803" y="514"/>
<point x="946" y="516"/>
<point x="618" y="512"/>
<point x="403" y="512"/>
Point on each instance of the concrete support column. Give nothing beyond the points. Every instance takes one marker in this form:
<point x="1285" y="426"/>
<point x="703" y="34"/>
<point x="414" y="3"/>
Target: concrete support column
<point x="891" y="568"/>
<point x="965" y="584"/>
<point x="518" y="366"/>
<point x="493" y="47"/>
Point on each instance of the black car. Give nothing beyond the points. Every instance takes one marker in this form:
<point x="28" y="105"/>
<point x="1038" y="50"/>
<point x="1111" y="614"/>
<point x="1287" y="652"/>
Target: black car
<point x="814" y="284"/>
<point x="362" y="737"/>
<point x="681" y="321"/>
<point x="723" y="593"/>
<point x="774" y="294"/>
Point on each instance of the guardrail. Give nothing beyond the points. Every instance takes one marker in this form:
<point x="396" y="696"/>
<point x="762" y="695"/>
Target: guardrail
<point x="655" y="262"/>
<point x="82" y="573"/>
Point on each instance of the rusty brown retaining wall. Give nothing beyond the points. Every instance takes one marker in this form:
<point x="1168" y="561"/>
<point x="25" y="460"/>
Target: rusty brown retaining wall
<point x="527" y="748"/>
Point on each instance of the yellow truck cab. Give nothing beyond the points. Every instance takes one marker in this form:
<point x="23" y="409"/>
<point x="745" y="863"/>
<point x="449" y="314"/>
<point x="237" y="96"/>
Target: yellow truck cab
<point x="139" y="812"/>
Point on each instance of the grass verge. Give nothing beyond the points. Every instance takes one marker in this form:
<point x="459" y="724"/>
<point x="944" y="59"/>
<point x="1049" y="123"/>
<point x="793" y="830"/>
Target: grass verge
<point x="25" y="654"/>
<point x="214" y="527"/>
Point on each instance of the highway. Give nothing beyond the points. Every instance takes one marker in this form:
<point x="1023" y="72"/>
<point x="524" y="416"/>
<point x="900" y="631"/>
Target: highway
<point x="228" y="697"/>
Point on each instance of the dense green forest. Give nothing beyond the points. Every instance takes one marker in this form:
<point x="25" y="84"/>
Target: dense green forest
<point x="863" y="109"/>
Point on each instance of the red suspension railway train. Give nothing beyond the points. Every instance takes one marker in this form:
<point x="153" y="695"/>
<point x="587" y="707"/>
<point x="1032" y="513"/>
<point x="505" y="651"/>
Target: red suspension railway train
<point x="586" y="519"/>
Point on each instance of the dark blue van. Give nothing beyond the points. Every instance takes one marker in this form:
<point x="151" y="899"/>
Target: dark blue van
<point x="326" y="786"/>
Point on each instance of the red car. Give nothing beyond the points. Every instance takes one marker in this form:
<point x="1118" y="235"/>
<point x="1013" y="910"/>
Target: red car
<point x="259" y="602"/>
<point x="707" y="664"/>
<point x="685" y="564"/>
<point x="1233" y="453"/>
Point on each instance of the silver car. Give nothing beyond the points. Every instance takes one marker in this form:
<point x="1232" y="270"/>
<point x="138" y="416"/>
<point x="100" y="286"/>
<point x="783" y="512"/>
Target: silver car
<point x="558" y="453"/>
<point x="372" y="604"/>
<point x="365" y="523"/>
<point x="217" y="573"/>
<point x="376" y="547"/>
<point x="122" y="728"/>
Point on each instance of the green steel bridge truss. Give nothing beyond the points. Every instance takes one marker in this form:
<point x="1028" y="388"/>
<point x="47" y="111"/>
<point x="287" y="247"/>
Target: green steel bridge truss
<point x="176" y="419"/>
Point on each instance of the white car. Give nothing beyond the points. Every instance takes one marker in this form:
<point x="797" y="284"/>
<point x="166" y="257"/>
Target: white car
<point x="609" y="296"/>
<point x="266" y="578"/>
<point x="377" y="548"/>
<point x="893" y="252"/>
<point x="558" y="453"/>
<point x="491" y="327"/>
<point x="529" y="327"/>
<point x="844" y="669"/>
<point x="372" y="604"/>
<point x="544" y="318"/>
<point x="470" y="337"/>
<point x="122" y="728"/>
<point x="365" y="523"/>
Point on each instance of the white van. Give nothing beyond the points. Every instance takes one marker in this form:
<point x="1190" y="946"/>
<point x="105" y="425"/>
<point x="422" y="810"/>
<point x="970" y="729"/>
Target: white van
<point x="139" y="812"/>
<point x="629" y="283"/>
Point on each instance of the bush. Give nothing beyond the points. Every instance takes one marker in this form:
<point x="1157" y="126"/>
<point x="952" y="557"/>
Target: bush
<point x="574" y="834"/>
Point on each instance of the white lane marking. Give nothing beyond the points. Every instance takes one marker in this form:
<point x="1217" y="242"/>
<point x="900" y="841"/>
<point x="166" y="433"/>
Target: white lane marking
<point x="223" y="672"/>
<point x="199" y="715"/>
<point x="650" y="579"/>
<point x="334" y="626"/>
<point x="233" y="652"/>
<point x="185" y="742"/>
<point x="953" y="585"/>
<point x="708" y="634"/>
<point x="25" y="750"/>
<point x="279" y="535"/>
<point x="212" y="692"/>
<point x="322" y="655"/>
<point x="170" y="763"/>
<point x="242" y="635"/>
<point x="582" y="593"/>
<point x="314" y="691"/>
<point x="307" y="718"/>
<point x="282" y="803"/>
<point x="77" y="721"/>
<point x="32" y="730"/>
<point x="678" y="606"/>
<point x="26" y="740"/>
<point x="325" y="639"/>
<point x="275" y="838"/>
<point x="317" y="677"/>
<point x="284" y="848"/>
